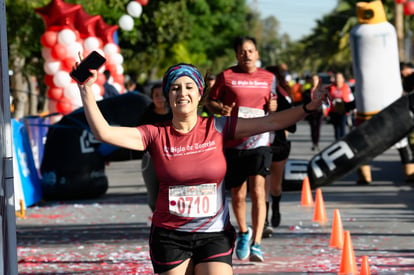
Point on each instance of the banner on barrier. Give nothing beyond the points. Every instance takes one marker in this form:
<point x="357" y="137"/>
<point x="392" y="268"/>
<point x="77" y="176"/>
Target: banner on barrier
<point x="37" y="128"/>
<point x="26" y="179"/>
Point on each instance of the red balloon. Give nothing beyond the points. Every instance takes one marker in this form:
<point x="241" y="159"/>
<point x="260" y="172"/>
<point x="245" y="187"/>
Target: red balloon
<point x="48" y="80"/>
<point x="68" y="63"/>
<point x="101" y="79"/>
<point x="49" y="39"/>
<point x="59" y="52"/>
<point x="86" y="24"/>
<point x="119" y="78"/>
<point x="142" y="2"/>
<point x="105" y="31"/>
<point x="64" y="106"/>
<point x="111" y="67"/>
<point x="55" y="93"/>
<point x="400" y="1"/>
<point x="409" y="8"/>
<point x="58" y="13"/>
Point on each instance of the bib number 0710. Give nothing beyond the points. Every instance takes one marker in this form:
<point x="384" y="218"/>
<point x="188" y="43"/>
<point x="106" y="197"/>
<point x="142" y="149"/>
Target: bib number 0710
<point x="193" y="201"/>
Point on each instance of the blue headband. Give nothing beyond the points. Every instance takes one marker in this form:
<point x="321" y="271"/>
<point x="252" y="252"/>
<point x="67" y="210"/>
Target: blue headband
<point x="179" y="70"/>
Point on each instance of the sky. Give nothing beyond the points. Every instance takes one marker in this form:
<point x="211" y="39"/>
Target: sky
<point x="296" y="17"/>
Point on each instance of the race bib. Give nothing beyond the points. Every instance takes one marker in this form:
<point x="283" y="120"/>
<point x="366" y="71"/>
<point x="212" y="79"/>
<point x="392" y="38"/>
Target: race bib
<point x="247" y="112"/>
<point x="193" y="201"/>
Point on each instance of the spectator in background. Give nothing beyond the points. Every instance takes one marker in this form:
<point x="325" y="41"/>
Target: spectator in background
<point x="132" y="87"/>
<point x="109" y="89"/>
<point x="342" y="97"/>
<point x="296" y="92"/>
<point x="407" y="76"/>
<point x="157" y="111"/>
<point x="280" y="146"/>
<point x="315" y="119"/>
<point x="284" y="70"/>
<point x="210" y="80"/>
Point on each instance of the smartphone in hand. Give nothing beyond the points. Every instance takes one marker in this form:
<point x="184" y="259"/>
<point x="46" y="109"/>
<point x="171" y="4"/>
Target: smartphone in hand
<point x="92" y="62"/>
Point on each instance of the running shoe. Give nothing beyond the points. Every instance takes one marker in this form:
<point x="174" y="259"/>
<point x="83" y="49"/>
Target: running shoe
<point x="256" y="254"/>
<point x="242" y="247"/>
<point x="275" y="220"/>
<point x="267" y="230"/>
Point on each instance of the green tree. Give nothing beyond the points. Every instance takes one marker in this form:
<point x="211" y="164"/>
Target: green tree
<point x="201" y="33"/>
<point x="24" y="53"/>
<point x="168" y="31"/>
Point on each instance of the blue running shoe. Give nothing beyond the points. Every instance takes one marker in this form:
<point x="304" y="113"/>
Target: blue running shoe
<point x="242" y="246"/>
<point x="256" y="254"/>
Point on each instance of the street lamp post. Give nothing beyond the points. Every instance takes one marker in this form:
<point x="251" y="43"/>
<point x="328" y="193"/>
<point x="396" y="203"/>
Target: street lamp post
<point x="407" y="40"/>
<point x="8" y="251"/>
<point x="399" y="27"/>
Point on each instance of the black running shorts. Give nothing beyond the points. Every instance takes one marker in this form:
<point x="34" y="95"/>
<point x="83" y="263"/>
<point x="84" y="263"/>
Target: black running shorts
<point x="244" y="163"/>
<point x="169" y="248"/>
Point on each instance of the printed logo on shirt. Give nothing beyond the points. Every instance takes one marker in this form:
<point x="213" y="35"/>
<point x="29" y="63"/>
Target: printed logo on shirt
<point x="190" y="149"/>
<point x="249" y="84"/>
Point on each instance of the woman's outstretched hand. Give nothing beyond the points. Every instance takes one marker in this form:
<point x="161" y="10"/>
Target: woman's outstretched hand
<point x="319" y="97"/>
<point x="91" y="80"/>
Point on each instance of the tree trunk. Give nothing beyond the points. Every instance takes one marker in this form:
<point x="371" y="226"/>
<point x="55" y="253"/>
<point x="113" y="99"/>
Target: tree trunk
<point x="34" y="96"/>
<point x="399" y="26"/>
<point x="19" y="88"/>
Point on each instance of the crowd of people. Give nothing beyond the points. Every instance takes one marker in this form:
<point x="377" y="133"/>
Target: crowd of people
<point x="238" y="121"/>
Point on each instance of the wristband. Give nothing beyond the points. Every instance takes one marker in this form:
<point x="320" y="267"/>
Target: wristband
<point x="306" y="109"/>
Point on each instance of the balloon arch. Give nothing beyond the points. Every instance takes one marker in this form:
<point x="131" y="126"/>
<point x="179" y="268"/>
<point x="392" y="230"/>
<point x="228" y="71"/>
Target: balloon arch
<point x="71" y="31"/>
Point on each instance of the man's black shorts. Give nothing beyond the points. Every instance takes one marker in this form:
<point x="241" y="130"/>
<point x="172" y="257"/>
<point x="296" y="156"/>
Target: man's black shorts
<point x="244" y="163"/>
<point x="280" y="146"/>
<point x="169" y="248"/>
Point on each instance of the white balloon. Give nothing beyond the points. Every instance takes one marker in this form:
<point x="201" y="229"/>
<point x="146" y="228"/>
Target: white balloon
<point x="111" y="48"/>
<point x="96" y="91"/>
<point x="51" y="67"/>
<point x="91" y="43"/>
<point x="119" y="69"/>
<point x="74" y="49"/>
<point x="134" y="9"/>
<point x="126" y="22"/>
<point x="77" y="102"/>
<point x="72" y="93"/>
<point x="100" y="51"/>
<point x="116" y="58"/>
<point x="66" y="37"/>
<point x="61" y="79"/>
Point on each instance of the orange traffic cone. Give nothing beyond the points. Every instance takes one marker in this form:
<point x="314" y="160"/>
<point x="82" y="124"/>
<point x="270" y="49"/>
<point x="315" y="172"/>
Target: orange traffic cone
<point x="319" y="212"/>
<point x="348" y="263"/>
<point x="365" y="269"/>
<point x="337" y="232"/>
<point x="306" y="197"/>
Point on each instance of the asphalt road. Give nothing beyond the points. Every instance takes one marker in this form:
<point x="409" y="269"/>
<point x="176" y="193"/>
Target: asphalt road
<point x="109" y="235"/>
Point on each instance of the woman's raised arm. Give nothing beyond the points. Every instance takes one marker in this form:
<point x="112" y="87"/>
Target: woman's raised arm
<point x="127" y="137"/>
